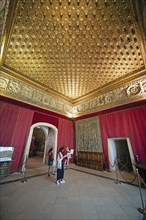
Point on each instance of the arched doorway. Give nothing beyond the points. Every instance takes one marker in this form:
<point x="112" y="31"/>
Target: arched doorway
<point x="44" y="127"/>
<point x="37" y="145"/>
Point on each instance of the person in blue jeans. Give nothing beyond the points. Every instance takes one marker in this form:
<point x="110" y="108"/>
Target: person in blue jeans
<point x="50" y="162"/>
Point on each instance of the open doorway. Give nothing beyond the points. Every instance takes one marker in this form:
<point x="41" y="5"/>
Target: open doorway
<point x="37" y="147"/>
<point x="39" y="140"/>
<point x="37" y="143"/>
<point x="120" y="152"/>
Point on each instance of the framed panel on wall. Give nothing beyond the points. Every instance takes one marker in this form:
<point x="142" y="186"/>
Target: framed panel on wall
<point x="6" y="153"/>
<point x="88" y="135"/>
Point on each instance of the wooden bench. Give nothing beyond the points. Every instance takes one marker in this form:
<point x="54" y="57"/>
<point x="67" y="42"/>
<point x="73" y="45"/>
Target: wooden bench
<point x="93" y="160"/>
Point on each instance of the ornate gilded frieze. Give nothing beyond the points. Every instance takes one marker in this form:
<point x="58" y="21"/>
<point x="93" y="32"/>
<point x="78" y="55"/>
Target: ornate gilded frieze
<point x="28" y="94"/>
<point x="133" y="91"/>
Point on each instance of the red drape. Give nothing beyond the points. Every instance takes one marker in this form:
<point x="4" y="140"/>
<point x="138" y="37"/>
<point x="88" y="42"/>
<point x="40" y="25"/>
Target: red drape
<point x="129" y="124"/>
<point x="66" y="134"/>
<point x="14" y="127"/>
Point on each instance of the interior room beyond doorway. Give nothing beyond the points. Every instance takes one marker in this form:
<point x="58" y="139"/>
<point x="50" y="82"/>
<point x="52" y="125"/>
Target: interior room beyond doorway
<point x="120" y="155"/>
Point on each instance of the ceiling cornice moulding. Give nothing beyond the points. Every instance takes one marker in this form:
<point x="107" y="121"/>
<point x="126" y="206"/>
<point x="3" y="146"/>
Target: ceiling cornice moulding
<point x="15" y="89"/>
<point x="113" y="86"/>
<point x="18" y="76"/>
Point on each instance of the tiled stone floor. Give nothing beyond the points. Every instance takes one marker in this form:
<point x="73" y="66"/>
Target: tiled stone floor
<point x="85" y="195"/>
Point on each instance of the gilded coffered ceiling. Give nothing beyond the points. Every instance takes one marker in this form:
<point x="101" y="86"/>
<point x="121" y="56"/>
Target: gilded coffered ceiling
<point x="73" y="51"/>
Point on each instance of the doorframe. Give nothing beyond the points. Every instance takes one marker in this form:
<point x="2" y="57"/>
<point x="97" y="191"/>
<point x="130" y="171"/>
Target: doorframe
<point x="28" y="143"/>
<point x="112" y="152"/>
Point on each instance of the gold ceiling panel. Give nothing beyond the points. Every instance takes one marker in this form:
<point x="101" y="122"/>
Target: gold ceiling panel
<point x="75" y="47"/>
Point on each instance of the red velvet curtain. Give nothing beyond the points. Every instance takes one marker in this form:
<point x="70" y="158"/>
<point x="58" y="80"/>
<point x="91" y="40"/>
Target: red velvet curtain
<point x="14" y="127"/>
<point x="129" y="124"/>
<point x="66" y="134"/>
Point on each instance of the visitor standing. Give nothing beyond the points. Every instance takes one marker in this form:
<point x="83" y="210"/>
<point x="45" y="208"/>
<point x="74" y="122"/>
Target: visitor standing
<point x="67" y="158"/>
<point x="60" y="166"/>
<point x="50" y="162"/>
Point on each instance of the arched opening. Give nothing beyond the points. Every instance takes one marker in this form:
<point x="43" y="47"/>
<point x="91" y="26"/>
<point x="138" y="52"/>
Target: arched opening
<point x="46" y="135"/>
<point x="37" y="145"/>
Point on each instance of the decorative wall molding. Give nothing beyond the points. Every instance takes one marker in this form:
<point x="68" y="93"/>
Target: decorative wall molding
<point x="12" y="88"/>
<point x="131" y="92"/>
<point x="23" y="92"/>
